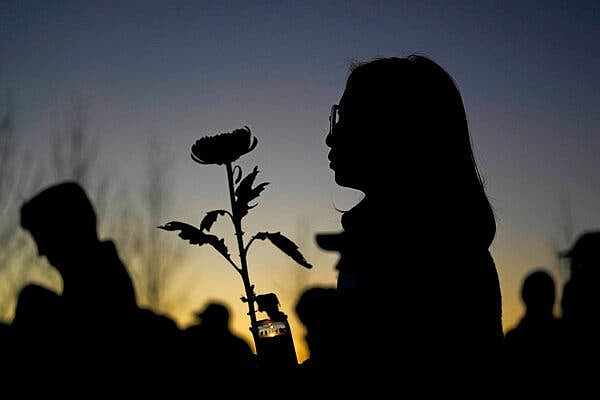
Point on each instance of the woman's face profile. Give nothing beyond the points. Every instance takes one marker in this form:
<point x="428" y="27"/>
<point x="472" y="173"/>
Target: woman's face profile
<point x="343" y="141"/>
<point x="352" y="153"/>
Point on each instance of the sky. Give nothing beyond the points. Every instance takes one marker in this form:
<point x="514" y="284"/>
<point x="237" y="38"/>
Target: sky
<point x="527" y="71"/>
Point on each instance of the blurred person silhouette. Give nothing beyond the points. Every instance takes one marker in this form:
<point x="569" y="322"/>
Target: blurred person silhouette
<point x="580" y="303"/>
<point x="35" y="327"/>
<point x="36" y="308"/>
<point x="6" y="339"/>
<point x="5" y="334"/>
<point x="418" y="283"/>
<point x="317" y="309"/>
<point x="213" y="349"/>
<point x="96" y="319"/>
<point x="534" y="345"/>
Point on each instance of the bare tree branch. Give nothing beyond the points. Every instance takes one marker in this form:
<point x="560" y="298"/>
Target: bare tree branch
<point x="157" y="262"/>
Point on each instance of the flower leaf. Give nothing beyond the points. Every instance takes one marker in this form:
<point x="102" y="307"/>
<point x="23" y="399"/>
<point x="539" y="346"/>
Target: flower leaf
<point x="187" y="231"/>
<point x="285" y="245"/>
<point x="245" y="193"/>
<point x="237" y="169"/>
<point x="246" y="183"/>
<point x="196" y="236"/>
<point x="210" y="218"/>
<point x="251" y="195"/>
<point x="218" y="244"/>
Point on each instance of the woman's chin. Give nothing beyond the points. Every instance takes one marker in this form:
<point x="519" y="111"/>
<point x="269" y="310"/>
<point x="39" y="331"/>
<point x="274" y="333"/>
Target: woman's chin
<point x="340" y="180"/>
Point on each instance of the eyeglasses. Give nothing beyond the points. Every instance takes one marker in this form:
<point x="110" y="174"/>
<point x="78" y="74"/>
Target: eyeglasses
<point x="334" y="117"/>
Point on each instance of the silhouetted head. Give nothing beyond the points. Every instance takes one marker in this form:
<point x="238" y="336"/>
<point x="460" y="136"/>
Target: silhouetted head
<point x="539" y="292"/>
<point x="401" y="123"/>
<point x="214" y="315"/>
<point x="317" y="309"/>
<point x="36" y="309"/>
<point x="585" y="253"/>
<point x="316" y="306"/>
<point x="401" y="112"/>
<point x="62" y="221"/>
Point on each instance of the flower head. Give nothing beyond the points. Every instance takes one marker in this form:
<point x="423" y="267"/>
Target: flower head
<point x="223" y="148"/>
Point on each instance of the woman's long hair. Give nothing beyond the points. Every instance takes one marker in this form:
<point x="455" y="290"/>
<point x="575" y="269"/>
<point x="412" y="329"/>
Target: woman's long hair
<point x="417" y="100"/>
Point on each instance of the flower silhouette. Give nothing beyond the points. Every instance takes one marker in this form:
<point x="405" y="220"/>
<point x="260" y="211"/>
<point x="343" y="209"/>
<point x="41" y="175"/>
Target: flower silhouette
<point x="223" y="148"/>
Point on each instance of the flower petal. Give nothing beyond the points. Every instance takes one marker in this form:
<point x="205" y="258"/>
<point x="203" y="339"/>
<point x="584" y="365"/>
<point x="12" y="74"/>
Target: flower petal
<point x="223" y="148"/>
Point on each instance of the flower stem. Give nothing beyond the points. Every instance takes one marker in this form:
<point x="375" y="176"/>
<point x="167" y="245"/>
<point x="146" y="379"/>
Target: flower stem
<point x="237" y="223"/>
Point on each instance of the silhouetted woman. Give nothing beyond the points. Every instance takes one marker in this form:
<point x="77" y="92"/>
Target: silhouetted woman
<point x="419" y="285"/>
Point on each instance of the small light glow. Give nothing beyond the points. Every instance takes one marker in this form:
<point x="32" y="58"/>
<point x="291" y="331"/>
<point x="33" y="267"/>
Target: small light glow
<point x="271" y="328"/>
